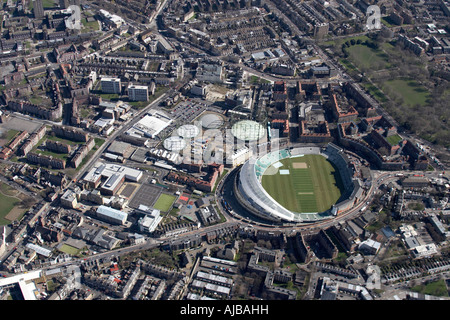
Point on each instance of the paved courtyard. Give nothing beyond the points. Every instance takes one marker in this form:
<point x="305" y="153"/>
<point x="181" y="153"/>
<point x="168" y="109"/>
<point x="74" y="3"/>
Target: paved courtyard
<point x="146" y="195"/>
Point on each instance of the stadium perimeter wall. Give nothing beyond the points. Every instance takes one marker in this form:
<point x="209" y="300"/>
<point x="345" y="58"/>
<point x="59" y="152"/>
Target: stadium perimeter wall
<point x="252" y="196"/>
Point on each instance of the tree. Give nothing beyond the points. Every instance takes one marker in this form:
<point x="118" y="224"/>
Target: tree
<point x="264" y="244"/>
<point x="27" y="202"/>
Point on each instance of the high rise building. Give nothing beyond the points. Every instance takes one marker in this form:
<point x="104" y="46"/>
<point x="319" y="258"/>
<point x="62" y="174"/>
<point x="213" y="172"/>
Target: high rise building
<point x="138" y="93"/>
<point x="321" y="30"/>
<point x="38" y="9"/>
<point x="64" y="4"/>
<point x="111" y="85"/>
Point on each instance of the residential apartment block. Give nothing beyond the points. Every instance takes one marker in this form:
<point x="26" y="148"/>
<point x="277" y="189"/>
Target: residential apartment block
<point x="111" y="85"/>
<point x="137" y="93"/>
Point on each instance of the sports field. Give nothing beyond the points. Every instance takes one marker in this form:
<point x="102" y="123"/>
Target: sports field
<point x="303" y="184"/>
<point x="164" y="202"/>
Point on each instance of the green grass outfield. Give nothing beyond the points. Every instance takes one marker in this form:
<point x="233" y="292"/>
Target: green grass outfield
<point x="314" y="189"/>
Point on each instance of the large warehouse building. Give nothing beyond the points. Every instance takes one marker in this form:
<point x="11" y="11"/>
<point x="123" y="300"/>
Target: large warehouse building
<point x="150" y="125"/>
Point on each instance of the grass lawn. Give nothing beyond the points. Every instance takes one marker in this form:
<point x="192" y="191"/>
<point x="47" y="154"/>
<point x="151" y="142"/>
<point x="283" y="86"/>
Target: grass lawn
<point x="11" y="134"/>
<point x="164" y="202"/>
<point x="394" y="140"/>
<point x="62" y="156"/>
<point x="90" y="26"/>
<point x="437" y="288"/>
<point x="373" y="90"/>
<point x="66" y="141"/>
<point x="342" y="40"/>
<point x="7" y="190"/>
<point x="312" y="189"/>
<point x="364" y="57"/>
<point x="69" y="250"/>
<point x="35" y="99"/>
<point x="47" y="4"/>
<point x="256" y="80"/>
<point x="347" y="64"/>
<point x="6" y="205"/>
<point x="389" y="48"/>
<point x="412" y="92"/>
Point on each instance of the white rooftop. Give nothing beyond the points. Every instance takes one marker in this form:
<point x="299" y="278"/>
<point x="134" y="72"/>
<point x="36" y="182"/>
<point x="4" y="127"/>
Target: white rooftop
<point x="135" y="86"/>
<point x="40" y="250"/>
<point x="151" y="125"/>
<point x="112" y="213"/>
<point x="107" y="170"/>
<point x="110" y="79"/>
<point x="27" y="288"/>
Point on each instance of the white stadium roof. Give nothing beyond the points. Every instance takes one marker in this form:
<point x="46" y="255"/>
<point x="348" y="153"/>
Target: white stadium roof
<point x="256" y="199"/>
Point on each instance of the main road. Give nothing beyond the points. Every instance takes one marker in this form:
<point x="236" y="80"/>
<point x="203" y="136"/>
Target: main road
<point x="380" y="177"/>
<point x="128" y="124"/>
